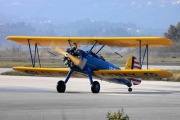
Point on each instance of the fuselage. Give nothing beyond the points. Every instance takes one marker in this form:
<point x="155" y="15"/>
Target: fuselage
<point x="95" y="62"/>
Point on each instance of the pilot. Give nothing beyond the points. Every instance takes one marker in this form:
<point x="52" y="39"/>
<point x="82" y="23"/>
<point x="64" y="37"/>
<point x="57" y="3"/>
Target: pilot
<point x="93" y="54"/>
<point x="74" y="47"/>
<point x="101" y="57"/>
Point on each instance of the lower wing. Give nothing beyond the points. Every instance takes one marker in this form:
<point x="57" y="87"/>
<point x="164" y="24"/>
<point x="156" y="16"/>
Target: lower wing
<point x="132" y="73"/>
<point x="104" y="74"/>
<point x="61" y="72"/>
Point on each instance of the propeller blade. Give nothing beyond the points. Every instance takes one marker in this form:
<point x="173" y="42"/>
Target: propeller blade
<point x="75" y="60"/>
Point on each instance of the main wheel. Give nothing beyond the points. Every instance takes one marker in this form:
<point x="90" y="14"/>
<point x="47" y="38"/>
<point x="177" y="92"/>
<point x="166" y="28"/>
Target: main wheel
<point x="130" y="89"/>
<point x="95" y="87"/>
<point x="61" y="86"/>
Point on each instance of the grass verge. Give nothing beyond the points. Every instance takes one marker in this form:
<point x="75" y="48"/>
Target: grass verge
<point x="15" y="73"/>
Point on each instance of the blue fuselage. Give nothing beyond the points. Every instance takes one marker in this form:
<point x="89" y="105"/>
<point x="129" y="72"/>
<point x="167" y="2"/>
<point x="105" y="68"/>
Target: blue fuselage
<point x="95" y="62"/>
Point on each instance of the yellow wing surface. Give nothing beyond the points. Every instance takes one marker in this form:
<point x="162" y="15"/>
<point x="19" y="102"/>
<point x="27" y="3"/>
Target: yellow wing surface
<point x="135" y="73"/>
<point x="104" y="74"/>
<point x="60" y="72"/>
<point x="109" y="41"/>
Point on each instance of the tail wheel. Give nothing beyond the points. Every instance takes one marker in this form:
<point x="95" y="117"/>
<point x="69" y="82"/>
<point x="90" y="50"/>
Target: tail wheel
<point x="95" y="87"/>
<point x="61" y="86"/>
<point x="130" y="89"/>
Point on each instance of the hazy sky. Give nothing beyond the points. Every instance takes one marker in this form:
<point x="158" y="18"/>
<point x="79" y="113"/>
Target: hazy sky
<point x="144" y="13"/>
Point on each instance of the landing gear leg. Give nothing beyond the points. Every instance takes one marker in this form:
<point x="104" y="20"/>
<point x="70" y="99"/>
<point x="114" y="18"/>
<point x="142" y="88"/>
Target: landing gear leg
<point x="61" y="85"/>
<point x="95" y="86"/>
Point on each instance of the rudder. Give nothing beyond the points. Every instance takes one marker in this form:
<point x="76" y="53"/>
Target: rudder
<point x="133" y="63"/>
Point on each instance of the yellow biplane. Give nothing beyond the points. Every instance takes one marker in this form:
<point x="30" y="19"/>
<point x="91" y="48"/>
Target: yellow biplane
<point x="83" y="63"/>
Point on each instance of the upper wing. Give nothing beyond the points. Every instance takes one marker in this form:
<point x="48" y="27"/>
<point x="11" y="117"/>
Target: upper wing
<point x="109" y="41"/>
<point x="61" y="72"/>
<point x="135" y="73"/>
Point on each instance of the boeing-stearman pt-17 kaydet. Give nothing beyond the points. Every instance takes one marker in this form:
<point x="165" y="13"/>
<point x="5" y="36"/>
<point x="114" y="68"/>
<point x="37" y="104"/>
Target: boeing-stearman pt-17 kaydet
<point x="88" y="64"/>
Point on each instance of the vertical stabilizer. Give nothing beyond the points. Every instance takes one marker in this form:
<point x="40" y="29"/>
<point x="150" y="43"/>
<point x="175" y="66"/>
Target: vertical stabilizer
<point x="133" y="63"/>
<point x="129" y="63"/>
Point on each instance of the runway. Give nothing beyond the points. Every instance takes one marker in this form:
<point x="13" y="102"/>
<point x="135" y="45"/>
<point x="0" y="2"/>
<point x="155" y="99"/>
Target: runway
<point x="30" y="98"/>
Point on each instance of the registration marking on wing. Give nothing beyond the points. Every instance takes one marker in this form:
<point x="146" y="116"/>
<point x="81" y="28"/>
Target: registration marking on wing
<point x="133" y="73"/>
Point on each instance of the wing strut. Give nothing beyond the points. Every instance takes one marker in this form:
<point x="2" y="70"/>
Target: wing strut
<point x="30" y="53"/>
<point x="147" y="56"/>
<point x="36" y="51"/>
<point x="146" y="51"/>
<point x="100" y="49"/>
<point x="140" y="53"/>
<point x="69" y="43"/>
<point x="93" y="46"/>
<point x="38" y="57"/>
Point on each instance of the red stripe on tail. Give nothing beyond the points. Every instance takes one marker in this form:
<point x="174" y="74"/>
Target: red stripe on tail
<point x="136" y="65"/>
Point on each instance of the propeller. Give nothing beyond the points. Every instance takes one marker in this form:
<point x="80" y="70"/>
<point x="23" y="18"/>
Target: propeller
<point x="78" y="62"/>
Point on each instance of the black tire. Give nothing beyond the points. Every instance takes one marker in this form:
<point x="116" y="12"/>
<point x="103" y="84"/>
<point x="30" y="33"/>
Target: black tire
<point x="61" y="86"/>
<point x="130" y="89"/>
<point x="95" y="87"/>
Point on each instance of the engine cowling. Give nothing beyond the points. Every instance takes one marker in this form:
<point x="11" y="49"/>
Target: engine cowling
<point x="76" y="53"/>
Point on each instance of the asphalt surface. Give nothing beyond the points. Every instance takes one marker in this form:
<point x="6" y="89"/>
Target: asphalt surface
<point x="30" y="98"/>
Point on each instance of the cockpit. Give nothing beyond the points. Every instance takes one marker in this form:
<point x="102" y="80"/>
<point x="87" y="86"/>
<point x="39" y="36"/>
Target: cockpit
<point x="99" y="56"/>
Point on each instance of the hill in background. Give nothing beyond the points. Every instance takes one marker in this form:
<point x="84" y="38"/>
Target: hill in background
<point x="86" y="18"/>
